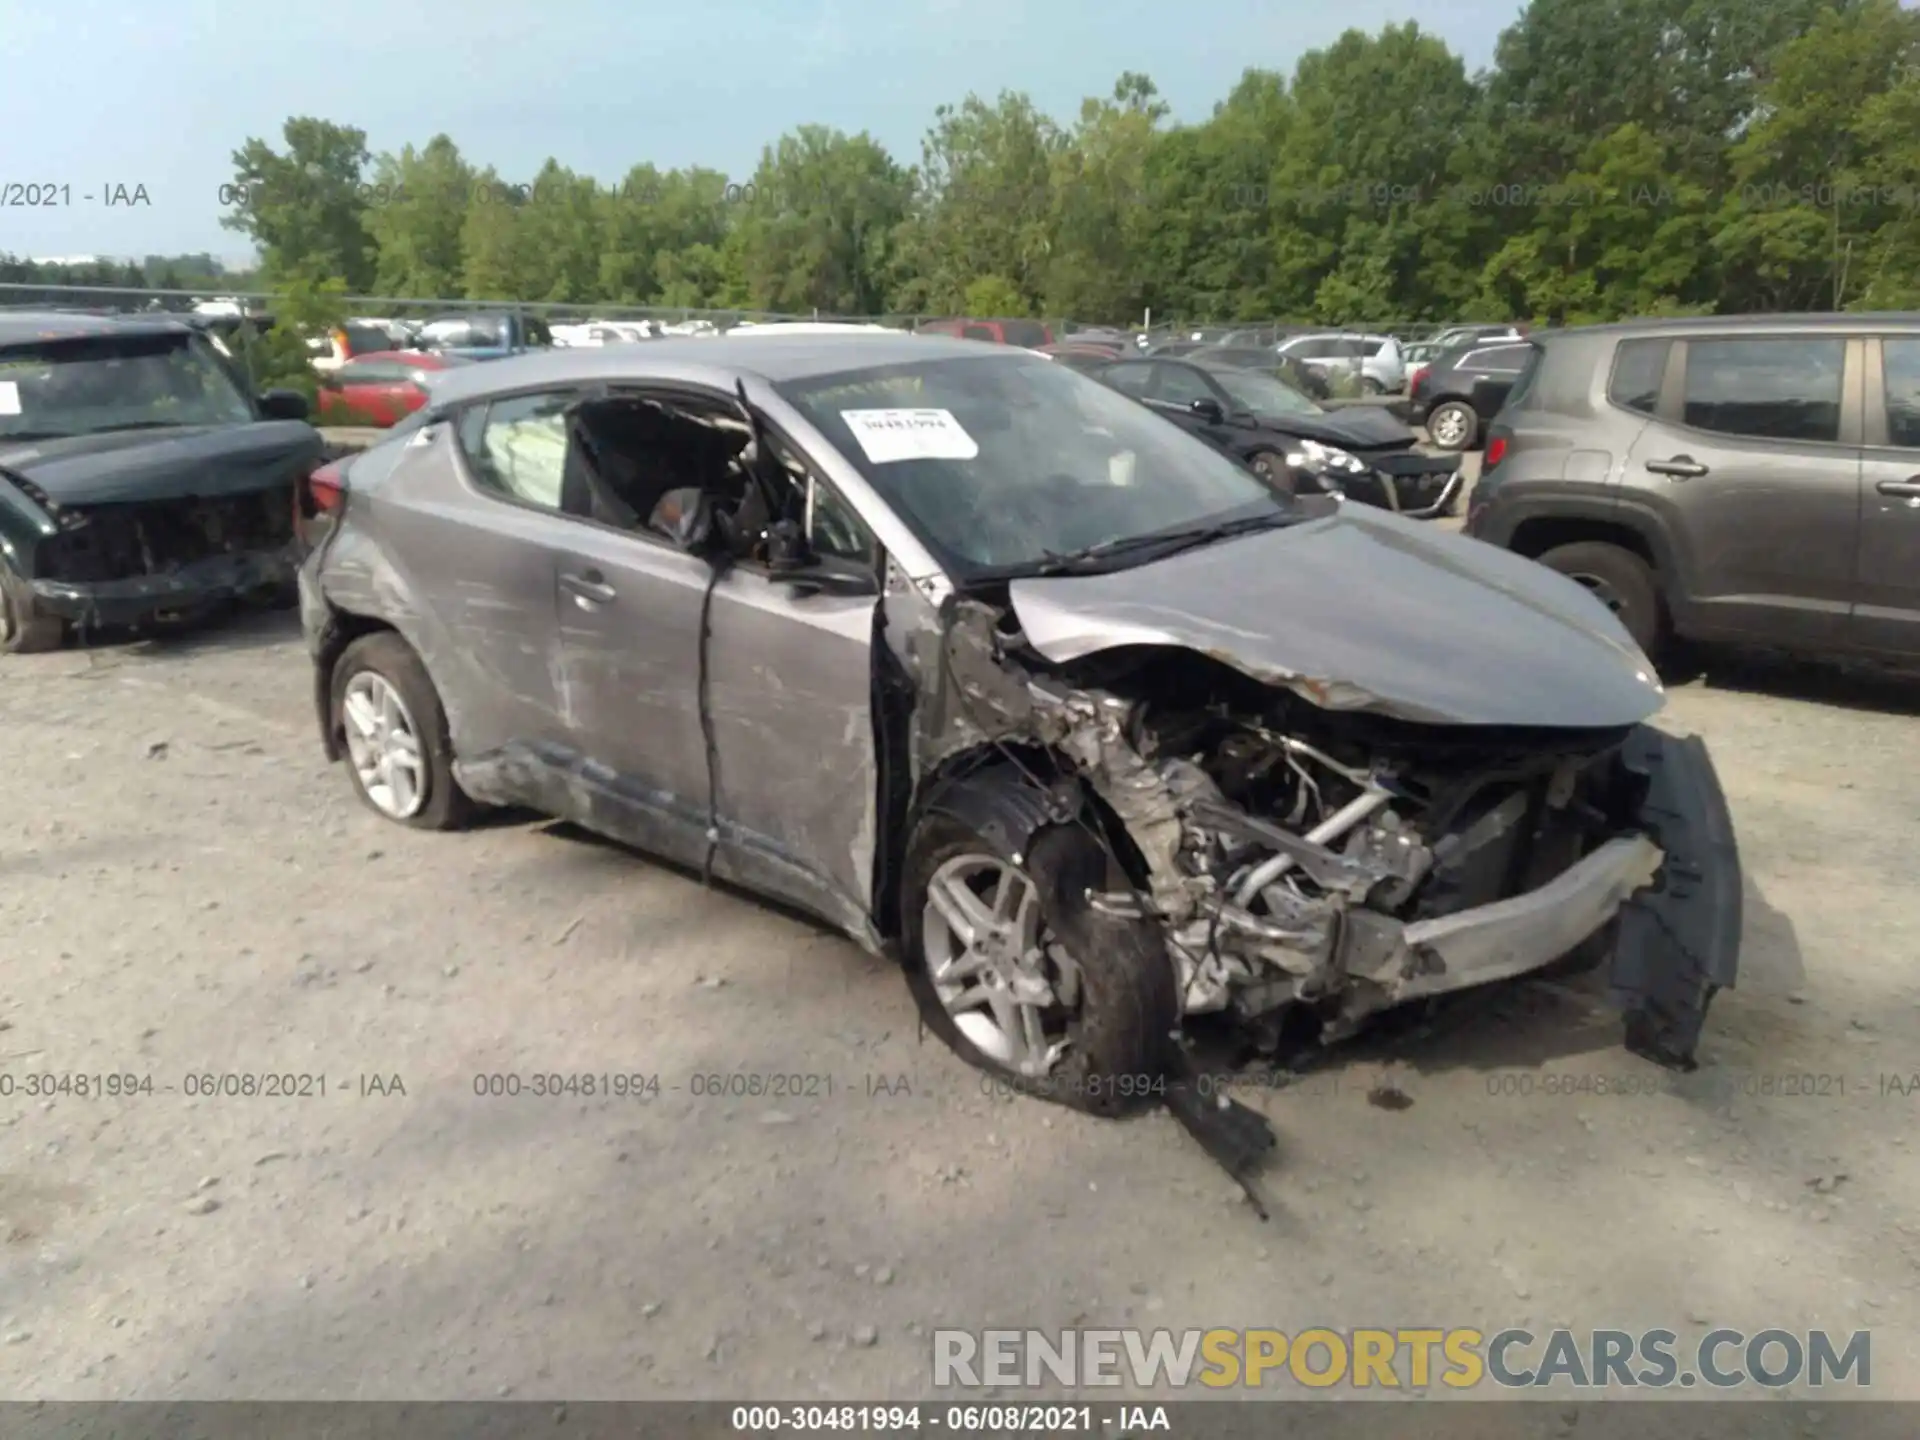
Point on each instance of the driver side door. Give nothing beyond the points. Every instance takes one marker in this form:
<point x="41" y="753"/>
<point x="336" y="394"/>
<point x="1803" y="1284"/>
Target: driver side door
<point x="791" y="670"/>
<point x="788" y="676"/>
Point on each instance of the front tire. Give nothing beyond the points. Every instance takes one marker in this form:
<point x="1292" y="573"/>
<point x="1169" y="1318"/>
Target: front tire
<point x="1454" y="426"/>
<point x="1013" y="969"/>
<point x="23" y="631"/>
<point x="399" y="754"/>
<point x="1621" y="581"/>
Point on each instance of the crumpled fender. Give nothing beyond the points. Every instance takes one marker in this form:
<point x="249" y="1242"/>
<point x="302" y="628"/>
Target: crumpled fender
<point x="1000" y="803"/>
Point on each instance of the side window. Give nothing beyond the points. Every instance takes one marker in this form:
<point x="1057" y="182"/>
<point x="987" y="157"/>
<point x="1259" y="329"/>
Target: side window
<point x="1902" y="363"/>
<point x="834" y="529"/>
<point x="1179" y="385"/>
<point x="1768" y="389"/>
<point x="978" y="332"/>
<point x="1130" y="379"/>
<point x="518" y="446"/>
<point x="1505" y="359"/>
<point x="1638" y="367"/>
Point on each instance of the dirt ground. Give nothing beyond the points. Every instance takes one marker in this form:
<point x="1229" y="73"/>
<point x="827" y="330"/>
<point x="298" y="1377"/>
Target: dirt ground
<point x="187" y="889"/>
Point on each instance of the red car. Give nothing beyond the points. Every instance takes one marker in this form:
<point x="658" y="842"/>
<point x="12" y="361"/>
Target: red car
<point x="380" y="389"/>
<point x="1030" y="333"/>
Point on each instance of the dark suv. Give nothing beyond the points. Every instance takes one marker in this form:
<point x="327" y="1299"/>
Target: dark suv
<point x="1754" y="479"/>
<point x="1459" y="392"/>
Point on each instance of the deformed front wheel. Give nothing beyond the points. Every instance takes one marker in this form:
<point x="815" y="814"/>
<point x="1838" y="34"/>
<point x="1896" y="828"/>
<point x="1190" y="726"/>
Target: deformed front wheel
<point x="1014" y="969"/>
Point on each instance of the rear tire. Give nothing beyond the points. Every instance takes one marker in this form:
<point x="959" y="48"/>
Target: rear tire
<point x="23" y="631"/>
<point x="1453" y="425"/>
<point x="1620" y="580"/>
<point x="1125" y="992"/>
<point x="423" y="795"/>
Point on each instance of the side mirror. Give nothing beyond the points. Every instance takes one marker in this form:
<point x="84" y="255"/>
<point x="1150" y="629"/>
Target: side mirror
<point x="685" y="516"/>
<point x="283" y="405"/>
<point x="1209" y="411"/>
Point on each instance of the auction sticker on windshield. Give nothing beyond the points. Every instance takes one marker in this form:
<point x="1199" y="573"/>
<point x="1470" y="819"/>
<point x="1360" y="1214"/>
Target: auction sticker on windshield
<point x="890" y="435"/>
<point x="9" y="397"/>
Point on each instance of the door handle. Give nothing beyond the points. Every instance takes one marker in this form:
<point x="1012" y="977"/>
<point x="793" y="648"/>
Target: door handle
<point x="1910" y="489"/>
<point x="1680" y="467"/>
<point x="591" y="585"/>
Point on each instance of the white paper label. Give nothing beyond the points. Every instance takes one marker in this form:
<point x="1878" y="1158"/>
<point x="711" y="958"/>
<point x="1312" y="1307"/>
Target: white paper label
<point x="9" y="397"/>
<point x="889" y="435"/>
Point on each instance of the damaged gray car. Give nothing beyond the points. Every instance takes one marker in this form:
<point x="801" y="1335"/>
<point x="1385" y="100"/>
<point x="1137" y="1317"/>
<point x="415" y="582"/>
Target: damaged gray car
<point x="1002" y="674"/>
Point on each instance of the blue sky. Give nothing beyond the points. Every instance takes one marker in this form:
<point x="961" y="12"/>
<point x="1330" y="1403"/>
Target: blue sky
<point x="101" y="94"/>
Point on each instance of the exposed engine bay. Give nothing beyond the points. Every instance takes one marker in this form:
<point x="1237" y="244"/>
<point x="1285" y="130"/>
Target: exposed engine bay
<point x="110" y="542"/>
<point x="1343" y="862"/>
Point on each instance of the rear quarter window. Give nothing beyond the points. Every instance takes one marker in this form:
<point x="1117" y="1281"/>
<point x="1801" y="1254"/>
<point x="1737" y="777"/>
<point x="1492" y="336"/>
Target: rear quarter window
<point x="1638" y="369"/>
<point x="1523" y="387"/>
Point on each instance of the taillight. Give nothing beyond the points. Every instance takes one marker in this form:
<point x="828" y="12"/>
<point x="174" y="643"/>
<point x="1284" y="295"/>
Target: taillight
<point x="339" y="338"/>
<point x="323" y="492"/>
<point x="1496" y="452"/>
<point x="1413" y="380"/>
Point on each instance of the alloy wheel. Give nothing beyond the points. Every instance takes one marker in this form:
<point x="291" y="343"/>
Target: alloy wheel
<point x="999" y="972"/>
<point x="383" y="743"/>
<point x="1450" y="428"/>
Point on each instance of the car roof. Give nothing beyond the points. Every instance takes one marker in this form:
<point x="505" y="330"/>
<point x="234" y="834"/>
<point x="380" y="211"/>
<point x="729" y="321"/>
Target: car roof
<point x="24" y="327"/>
<point x="1812" y="322"/>
<point x="770" y="357"/>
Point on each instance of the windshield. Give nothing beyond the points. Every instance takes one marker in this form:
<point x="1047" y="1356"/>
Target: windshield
<point x="1262" y="394"/>
<point x="997" y="463"/>
<point x="58" y="388"/>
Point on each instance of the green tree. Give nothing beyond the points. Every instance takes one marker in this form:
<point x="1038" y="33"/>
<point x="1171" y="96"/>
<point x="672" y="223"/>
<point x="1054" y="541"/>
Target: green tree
<point x="1099" y="219"/>
<point x="1204" y="248"/>
<point x="306" y="208"/>
<point x="277" y="356"/>
<point x="420" y="203"/>
<point x="816" y="224"/>
<point x="994" y="297"/>
<point x="1820" y="211"/>
<point x="984" y="203"/>
<point x="652" y="214"/>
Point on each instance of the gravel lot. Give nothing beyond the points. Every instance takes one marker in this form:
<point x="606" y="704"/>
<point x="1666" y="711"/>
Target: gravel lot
<point x="187" y="889"/>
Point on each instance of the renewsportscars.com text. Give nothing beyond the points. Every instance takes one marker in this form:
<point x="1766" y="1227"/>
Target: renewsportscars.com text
<point x="1411" y="1358"/>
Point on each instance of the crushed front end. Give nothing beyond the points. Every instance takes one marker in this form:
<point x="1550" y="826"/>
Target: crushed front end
<point x="126" y="562"/>
<point x="1301" y="858"/>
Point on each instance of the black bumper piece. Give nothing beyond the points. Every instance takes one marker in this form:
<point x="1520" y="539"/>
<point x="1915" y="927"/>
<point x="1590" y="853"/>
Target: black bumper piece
<point x="1679" y="939"/>
<point x="191" y="588"/>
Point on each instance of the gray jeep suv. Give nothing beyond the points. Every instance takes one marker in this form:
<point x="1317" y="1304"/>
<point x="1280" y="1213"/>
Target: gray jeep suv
<point x="1752" y="479"/>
